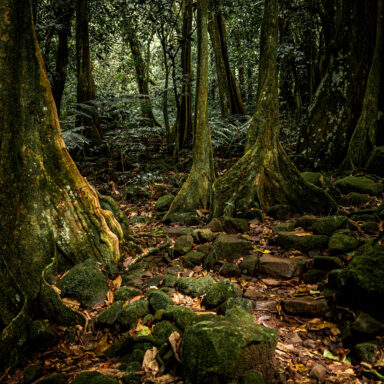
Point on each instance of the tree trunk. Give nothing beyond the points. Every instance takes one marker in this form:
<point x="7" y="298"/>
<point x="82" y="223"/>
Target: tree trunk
<point x="48" y="210"/>
<point x="265" y="172"/>
<point x="85" y="84"/>
<point x="231" y="101"/>
<point x="349" y="30"/>
<point x="184" y="126"/>
<point x="60" y="76"/>
<point x="364" y="137"/>
<point x="141" y="77"/>
<point x="166" y="86"/>
<point x="197" y="190"/>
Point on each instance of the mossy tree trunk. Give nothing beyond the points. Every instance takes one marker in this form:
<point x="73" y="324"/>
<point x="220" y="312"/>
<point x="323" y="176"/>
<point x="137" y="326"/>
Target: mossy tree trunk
<point x="64" y="14"/>
<point x="265" y="172"/>
<point x="141" y="76"/>
<point x="48" y="210"/>
<point x="349" y="29"/>
<point x="363" y="138"/>
<point x="231" y="102"/>
<point x="85" y="85"/>
<point x="197" y="190"/>
<point x="184" y="126"/>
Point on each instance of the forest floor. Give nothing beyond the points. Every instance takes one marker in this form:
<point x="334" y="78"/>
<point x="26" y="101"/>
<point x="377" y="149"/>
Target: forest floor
<point x="310" y="348"/>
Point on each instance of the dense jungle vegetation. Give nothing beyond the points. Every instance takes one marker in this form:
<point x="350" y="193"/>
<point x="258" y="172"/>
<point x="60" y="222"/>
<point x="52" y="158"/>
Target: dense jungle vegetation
<point x="191" y="191"/>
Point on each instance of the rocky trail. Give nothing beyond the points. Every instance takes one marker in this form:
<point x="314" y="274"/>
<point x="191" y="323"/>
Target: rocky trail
<point x="283" y="295"/>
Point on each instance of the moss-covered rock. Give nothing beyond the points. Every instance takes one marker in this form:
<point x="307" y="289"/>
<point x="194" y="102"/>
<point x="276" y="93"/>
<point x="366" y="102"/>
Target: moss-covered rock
<point x="328" y="225"/>
<point x="366" y="351"/>
<point x="203" y="235"/>
<point x="230" y="248"/>
<point x="163" y="203"/>
<point x="163" y="330"/>
<point x="93" y="377"/>
<point x="356" y="198"/>
<point x="327" y="263"/>
<point x="370" y="227"/>
<point x="224" y="350"/>
<point x="169" y="281"/>
<point x="131" y="313"/>
<point x="249" y="265"/>
<point x="252" y="377"/>
<point x="361" y="285"/>
<point x="230" y="270"/>
<point x="181" y="316"/>
<point x="41" y="335"/>
<point x="183" y="244"/>
<point x="237" y="313"/>
<point x="193" y="258"/>
<point x="280" y="211"/>
<point x="85" y="283"/>
<point x="342" y="241"/>
<point x="32" y="373"/>
<point x="305" y="222"/>
<point x="110" y="315"/>
<point x="376" y="161"/>
<point x="359" y="184"/>
<point x="284" y="227"/>
<point x="195" y="287"/>
<point x="159" y="300"/>
<point x="183" y="218"/>
<point x="366" y="325"/>
<point x="306" y="306"/>
<point x="130" y="373"/>
<point x="126" y="293"/>
<point x="220" y="292"/>
<point x="236" y="302"/>
<point x="234" y="225"/>
<point x="321" y="181"/>
<point x="295" y="240"/>
<point x="215" y="225"/>
<point x="56" y="378"/>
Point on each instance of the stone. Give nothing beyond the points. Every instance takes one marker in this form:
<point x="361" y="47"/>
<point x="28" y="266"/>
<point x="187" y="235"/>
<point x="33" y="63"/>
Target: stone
<point x="126" y="293"/>
<point x="253" y="293"/>
<point x="236" y="302"/>
<point x="177" y="231"/>
<point x="356" y="198"/>
<point x="203" y="235"/>
<point x="163" y="330"/>
<point x="318" y="372"/>
<point x="93" y="377"/>
<point x="133" y="193"/>
<point x="169" y="281"/>
<point x="195" y="287"/>
<point x="280" y="211"/>
<point x="342" y="241"/>
<point x="133" y="278"/>
<point x="131" y="313"/>
<point x="306" y="306"/>
<point x="237" y="313"/>
<point x="41" y="335"/>
<point x="359" y="184"/>
<point x="163" y="203"/>
<point x="370" y="227"/>
<point x="328" y="225"/>
<point x="181" y="316"/>
<point x="183" y="244"/>
<point x="327" y="263"/>
<point x="56" y="378"/>
<point x="315" y="275"/>
<point x="218" y="293"/>
<point x="376" y="161"/>
<point x="230" y="270"/>
<point x="277" y="266"/>
<point x="305" y="222"/>
<point x="110" y="315"/>
<point x="205" y="248"/>
<point x="252" y="377"/>
<point x="266" y="306"/>
<point x="249" y="265"/>
<point x="140" y="220"/>
<point x="84" y="283"/>
<point x="183" y="218"/>
<point x="294" y="240"/>
<point x="230" y="248"/>
<point x="222" y="351"/>
<point x="366" y="324"/>
<point x="159" y="300"/>
<point x="284" y="227"/>
<point x="215" y="225"/>
<point x="130" y="373"/>
<point x="32" y="373"/>
<point x="233" y="225"/>
<point x="193" y="258"/>
<point x="366" y="351"/>
<point x="321" y="181"/>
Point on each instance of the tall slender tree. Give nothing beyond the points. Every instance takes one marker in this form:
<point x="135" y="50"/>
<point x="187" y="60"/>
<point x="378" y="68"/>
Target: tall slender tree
<point x="197" y="190"/>
<point x="265" y="172"/>
<point x="85" y="84"/>
<point x="231" y="102"/>
<point x="48" y="211"/>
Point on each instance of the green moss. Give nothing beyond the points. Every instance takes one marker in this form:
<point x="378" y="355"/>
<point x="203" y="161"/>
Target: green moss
<point x="290" y="240"/>
<point x="159" y="300"/>
<point x="236" y="302"/>
<point x="131" y="313"/>
<point x="110" y="315"/>
<point x="41" y="335"/>
<point x="93" y="377"/>
<point x="57" y="378"/>
<point x="342" y="241"/>
<point x="218" y="293"/>
<point x="181" y="316"/>
<point x="193" y="258"/>
<point x="237" y="313"/>
<point x="229" y="248"/>
<point x="359" y="184"/>
<point x="126" y="293"/>
<point x="195" y="287"/>
<point x="163" y="203"/>
<point x="328" y="225"/>
<point x="163" y="330"/>
<point x="85" y="283"/>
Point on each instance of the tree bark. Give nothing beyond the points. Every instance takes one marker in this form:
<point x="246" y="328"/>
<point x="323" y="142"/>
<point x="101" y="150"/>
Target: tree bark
<point x="48" y="210"/>
<point x="184" y="125"/>
<point x="265" y="172"/>
<point x="349" y="30"/>
<point x="85" y="84"/>
<point x="231" y="102"/>
<point x="363" y="138"/>
<point x="197" y="190"/>
<point x="141" y="77"/>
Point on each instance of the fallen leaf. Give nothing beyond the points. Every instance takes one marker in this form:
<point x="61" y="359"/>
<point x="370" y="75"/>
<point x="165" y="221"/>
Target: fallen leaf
<point x="175" y="341"/>
<point x="150" y="364"/>
<point x="116" y="284"/>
